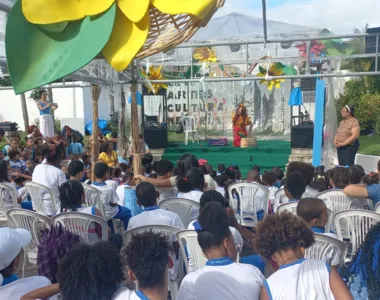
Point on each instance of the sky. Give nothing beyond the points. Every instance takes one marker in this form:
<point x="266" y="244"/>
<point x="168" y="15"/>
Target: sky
<point x="341" y="16"/>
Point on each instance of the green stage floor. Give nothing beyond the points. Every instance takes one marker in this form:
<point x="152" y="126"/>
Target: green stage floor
<point x="267" y="154"/>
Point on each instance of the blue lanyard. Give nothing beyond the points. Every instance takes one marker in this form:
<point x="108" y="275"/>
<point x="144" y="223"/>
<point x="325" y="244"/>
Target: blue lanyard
<point x="223" y="261"/>
<point x="141" y="295"/>
<point x="151" y="208"/>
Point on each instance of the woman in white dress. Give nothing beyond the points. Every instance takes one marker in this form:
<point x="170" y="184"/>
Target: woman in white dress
<point x="46" y="119"/>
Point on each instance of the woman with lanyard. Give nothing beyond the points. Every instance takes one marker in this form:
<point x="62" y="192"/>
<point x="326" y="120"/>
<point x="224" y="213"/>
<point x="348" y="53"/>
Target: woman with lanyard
<point x="46" y="120"/>
<point x="346" y="139"/>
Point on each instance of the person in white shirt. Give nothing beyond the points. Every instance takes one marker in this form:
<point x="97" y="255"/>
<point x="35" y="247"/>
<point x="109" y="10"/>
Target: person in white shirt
<point x="49" y="174"/>
<point x="269" y="180"/>
<point x="164" y="171"/>
<point x="85" y="272"/>
<point x="283" y="237"/>
<point x="314" y="212"/>
<point x="148" y="260"/>
<point x="222" y="277"/>
<point x="207" y="170"/>
<point x="11" y="243"/>
<point x="109" y="197"/>
<point x="191" y="187"/>
<point x="154" y="215"/>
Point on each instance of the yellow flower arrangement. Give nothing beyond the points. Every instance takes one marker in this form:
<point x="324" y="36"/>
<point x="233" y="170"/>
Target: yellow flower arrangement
<point x="204" y="54"/>
<point x="154" y="74"/>
<point x="131" y="25"/>
<point x="276" y="69"/>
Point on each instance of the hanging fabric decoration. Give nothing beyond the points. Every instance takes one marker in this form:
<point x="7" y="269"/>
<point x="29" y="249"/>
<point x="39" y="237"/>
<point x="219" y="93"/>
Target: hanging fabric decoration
<point x="154" y="74"/>
<point x="296" y="95"/>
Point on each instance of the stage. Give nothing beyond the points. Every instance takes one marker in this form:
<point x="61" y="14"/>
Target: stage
<point x="267" y="154"/>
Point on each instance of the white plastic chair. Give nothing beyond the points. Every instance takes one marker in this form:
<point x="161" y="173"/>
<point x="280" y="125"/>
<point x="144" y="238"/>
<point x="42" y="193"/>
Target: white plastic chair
<point x="190" y="126"/>
<point x="357" y="222"/>
<point x="182" y="207"/>
<point x="34" y="223"/>
<point x="93" y="197"/>
<point x="336" y="201"/>
<point x="78" y="223"/>
<point x="250" y="196"/>
<point x="290" y="207"/>
<point x="38" y="192"/>
<point x="188" y="241"/>
<point x="377" y="208"/>
<point x="323" y="246"/>
<point x="280" y="197"/>
<point x="12" y="193"/>
<point x="168" y="231"/>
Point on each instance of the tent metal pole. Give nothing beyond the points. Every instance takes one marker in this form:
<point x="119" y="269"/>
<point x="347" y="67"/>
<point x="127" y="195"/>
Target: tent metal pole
<point x="5" y="7"/>
<point x="250" y="78"/>
<point x="264" y="9"/>
<point x="377" y="52"/>
<point x="273" y="41"/>
<point x="53" y="87"/>
<point x="308" y="54"/>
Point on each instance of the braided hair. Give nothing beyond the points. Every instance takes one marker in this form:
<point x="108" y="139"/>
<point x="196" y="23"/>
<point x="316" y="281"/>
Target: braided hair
<point x="71" y="194"/>
<point x="362" y="274"/>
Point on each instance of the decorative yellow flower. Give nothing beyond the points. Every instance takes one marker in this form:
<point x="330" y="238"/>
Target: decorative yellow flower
<point x="204" y="54"/>
<point x="131" y="26"/>
<point x="154" y="74"/>
<point x="276" y="69"/>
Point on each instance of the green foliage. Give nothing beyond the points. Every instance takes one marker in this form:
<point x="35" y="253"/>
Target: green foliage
<point x="35" y="95"/>
<point x="5" y="81"/>
<point x="368" y="109"/>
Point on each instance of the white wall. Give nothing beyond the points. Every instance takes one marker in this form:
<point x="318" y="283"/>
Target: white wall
<point x="73" y="103"/>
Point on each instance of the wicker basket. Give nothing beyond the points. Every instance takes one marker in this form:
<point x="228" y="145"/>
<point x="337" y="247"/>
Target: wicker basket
<point x="168" y="31"/>
<point x="248" y="142"/>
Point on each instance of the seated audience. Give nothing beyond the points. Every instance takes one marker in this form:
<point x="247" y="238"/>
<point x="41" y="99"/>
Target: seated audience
<point x="148" y="262"/>
<point x="207" y="171"/>
<point x="254" y="176"/>
<point x="85" y="272"/>
<point x="283" y="237"/>
<point x="314" y="212"/>
<point x="154" y="215"/>
<point x="340" y="179"/>
<point x="11" y="287"/>
<point x="295" y="186"/>
<point x="72" y="199"/>
<point x="307" y="170"/>
<point x="108" y="155"/>
<point x="13" y="145"/>
<point x="164" y="171"/>
<point x="117" y="176"/>
<point x="321" y="181"/>
<point x="49" y="174"/>
<point x="218" y="245"/>
<point x="269" y="180"/>
<point x="279" y="177"/>
<point x="371" y="191"/>
<point x="127" y="195"/>
<point x="76" y="170"/>
<point x="221" y="180"/>
<point x="221" y="169"/>
<point x="109" y="197"/>
<point x="15" y="161"/>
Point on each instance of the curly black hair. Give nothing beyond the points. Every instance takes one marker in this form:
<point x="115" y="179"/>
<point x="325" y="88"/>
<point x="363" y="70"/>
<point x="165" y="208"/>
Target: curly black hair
<point x="90" y="272"/>
<point x="280" y="232"/>
<point x="355" y="174"/>
<point x="341" y="178"/>
<point x="364" y="267"/>
<point x="214" y="221"/>
<point x="372" y="178"/>
<point x="295" y="184"/>
<point x="147" y="256"/>
<point x="307" y="170"/>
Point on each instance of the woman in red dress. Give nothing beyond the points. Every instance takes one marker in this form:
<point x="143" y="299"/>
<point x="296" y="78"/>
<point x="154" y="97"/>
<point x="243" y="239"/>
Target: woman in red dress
<point x="240" y="122"/>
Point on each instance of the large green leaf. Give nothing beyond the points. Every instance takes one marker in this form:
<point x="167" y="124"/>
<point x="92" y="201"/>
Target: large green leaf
<point x="36" y="57"/>
<point x="290" y="71"/>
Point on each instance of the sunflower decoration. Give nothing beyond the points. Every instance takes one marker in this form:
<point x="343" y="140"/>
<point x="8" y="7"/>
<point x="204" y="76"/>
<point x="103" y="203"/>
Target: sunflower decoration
<point x="276" y="69"/>
<point x="204" y="55"/>
<point x="49" y="39"/>
<point x="154" y="74"/>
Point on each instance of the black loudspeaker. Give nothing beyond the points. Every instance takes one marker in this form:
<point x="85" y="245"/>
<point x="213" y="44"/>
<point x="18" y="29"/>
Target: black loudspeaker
<point x="302" y="136"/>
<point x="370" y="41"/>
<point x="156" y="138"/>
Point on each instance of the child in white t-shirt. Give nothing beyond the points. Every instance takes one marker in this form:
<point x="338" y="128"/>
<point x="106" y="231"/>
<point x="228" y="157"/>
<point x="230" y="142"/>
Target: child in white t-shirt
<point x="269" y="179"/>
<point x="164" y="171"/>
<point x="314" y="212"/>
<point x="148" y="260"/>
<point x="109" y="197"/>
<point x="283" y="237"/>
<point x="242" y="281"/>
